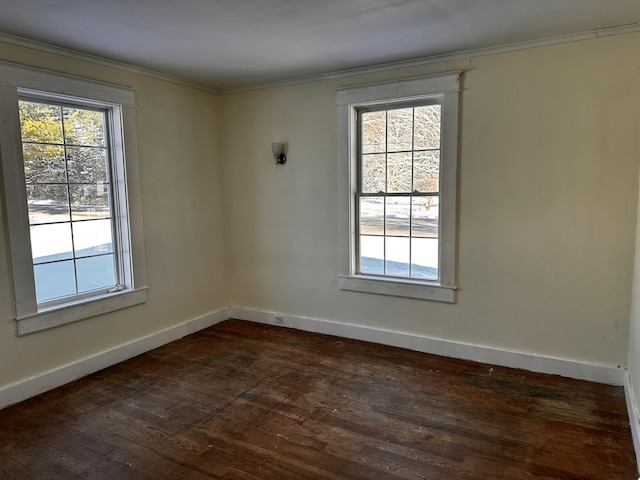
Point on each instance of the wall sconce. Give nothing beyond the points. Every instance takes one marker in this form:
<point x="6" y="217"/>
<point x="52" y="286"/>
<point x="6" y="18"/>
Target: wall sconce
<point x="278" y="153"/>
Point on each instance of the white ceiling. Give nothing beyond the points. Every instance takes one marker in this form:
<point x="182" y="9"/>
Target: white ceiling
<point x="225" y="44"/>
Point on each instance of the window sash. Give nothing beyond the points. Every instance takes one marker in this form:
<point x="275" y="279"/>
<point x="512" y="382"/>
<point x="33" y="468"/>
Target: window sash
<point x="384" y="194"/>
<point x="385" y="235"/>
<point x="115" y="235"/>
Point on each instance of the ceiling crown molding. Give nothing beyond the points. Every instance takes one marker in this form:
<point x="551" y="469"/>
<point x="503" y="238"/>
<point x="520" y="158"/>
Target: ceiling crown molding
<point x="573" y="37"/>
<point x="511" y="47"/>
<point x="104" y="62"/>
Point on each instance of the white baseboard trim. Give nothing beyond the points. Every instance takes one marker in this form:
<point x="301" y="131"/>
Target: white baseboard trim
<point x="527" y="361"/>
<point x="606" y="374"/>
<point x="20" y="391"/>
<point x="634" y="416"/>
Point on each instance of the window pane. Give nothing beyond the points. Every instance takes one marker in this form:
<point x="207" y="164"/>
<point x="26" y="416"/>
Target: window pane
<point x="47" y="203"/>
<point x="372" y="255"/>
<point x="89" y="201"/>
<point x="397" y="256"/>
<point x="372" y="215"/>
<point x="399" y="172"/>
<point x="44" y="163"/>
<point x="54" y="280"/>
<point x="424" y="258"/>
<point x="51" y="242"/>
<point x="427" y="127"/>
<point x="83" y="127"/>
<point x="373" y="173"/>
<point x="424" y="217"/>
<point x="397" y="215"/>
<point x="374" y="132"/>
<point x="426" y="171"/>
<point x="400" y="129"/>
<point x="40" y="123"/>
<point x="87" y="165"/>
<point x="92" y="237"/>
<point x="95" y="273"/>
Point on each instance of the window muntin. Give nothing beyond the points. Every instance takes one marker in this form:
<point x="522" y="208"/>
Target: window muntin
<point x="398" y="194"/>
<point x="67" y="167"/>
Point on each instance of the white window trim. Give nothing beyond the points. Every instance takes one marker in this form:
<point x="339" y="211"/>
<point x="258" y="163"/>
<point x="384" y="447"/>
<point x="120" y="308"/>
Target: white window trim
<point x="29" y="317"/>
<point x="348" y="100"/>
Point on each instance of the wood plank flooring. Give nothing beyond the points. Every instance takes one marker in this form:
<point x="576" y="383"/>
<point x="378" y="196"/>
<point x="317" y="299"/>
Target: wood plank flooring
<point x="246" y="401"/>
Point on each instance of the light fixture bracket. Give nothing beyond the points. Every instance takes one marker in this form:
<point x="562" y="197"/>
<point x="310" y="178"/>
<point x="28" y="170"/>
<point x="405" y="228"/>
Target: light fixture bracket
<point x="278" y="153"/>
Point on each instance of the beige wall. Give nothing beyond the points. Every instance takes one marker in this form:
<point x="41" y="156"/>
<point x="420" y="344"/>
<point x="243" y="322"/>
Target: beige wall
<point x="182" y="202"/>
<point x="547" y="203"/>
<point x="634" y="333"/>
<point x="634" y="336"/>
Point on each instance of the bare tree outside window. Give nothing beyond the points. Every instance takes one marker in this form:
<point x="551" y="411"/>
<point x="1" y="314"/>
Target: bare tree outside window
<point x="67" y="176"/>
<point x="398" y="198"/>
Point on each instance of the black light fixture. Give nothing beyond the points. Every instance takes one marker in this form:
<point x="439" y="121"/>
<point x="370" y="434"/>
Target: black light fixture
<point x="278" y="153"/>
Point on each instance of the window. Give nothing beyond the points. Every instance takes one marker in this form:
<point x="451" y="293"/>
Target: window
<point x="71" y="197"/>
<point x="67" y="167"/>
<point x="398" y="162"/>
<point x="398" y="191"/>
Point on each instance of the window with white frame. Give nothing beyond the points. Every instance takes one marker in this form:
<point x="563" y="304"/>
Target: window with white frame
<point x="398" y="163"/>
<point x="67" y="165"/>
<point x="71" y="197"/>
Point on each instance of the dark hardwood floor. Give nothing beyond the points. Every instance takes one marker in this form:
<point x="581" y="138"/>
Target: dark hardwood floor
<point x="247" y="401"/>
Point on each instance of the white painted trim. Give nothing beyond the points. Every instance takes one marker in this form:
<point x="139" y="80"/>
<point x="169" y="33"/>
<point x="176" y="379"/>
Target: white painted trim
<point x="22" y="390"/>
<point x="24" y="77"/>
<point x="397" y="288"/>
<point x="634" y="415"/>
<point x="447" y="57"/>
<point x="607" y="374"/>
<point x="105" y="62"/>
<point x="399" y="90"/>
<point x="91" y="307"/>
<point x="11" y="161"/>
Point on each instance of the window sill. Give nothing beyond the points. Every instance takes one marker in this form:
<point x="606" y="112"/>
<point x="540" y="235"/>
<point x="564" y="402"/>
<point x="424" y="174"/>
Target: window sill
<point x="91" y="307"/>
<point x="399" y="288"/>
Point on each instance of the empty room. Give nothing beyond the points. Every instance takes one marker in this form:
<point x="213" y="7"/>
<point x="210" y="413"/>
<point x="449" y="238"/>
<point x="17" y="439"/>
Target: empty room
<point x="349" y="239"/>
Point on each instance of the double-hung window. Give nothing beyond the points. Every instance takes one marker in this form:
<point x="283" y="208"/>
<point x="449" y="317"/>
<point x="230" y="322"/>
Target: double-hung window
<point x="398" y="159"/>
<point x="71" y="197"/>
<point x="68" y="171"/>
